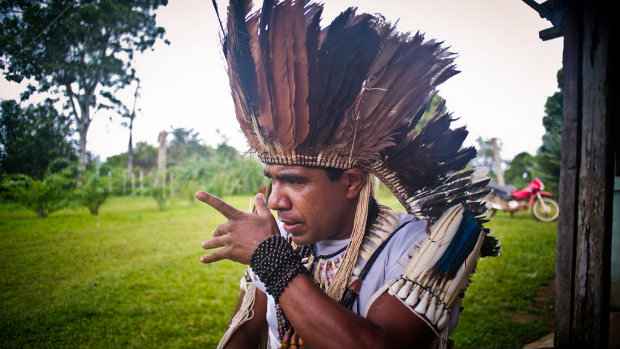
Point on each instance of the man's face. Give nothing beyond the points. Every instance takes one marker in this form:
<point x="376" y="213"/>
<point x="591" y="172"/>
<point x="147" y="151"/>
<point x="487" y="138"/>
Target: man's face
<point x="311" y="206"/>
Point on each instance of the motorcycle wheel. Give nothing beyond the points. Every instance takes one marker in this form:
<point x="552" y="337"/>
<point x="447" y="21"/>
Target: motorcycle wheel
<point x="551" y="214"/>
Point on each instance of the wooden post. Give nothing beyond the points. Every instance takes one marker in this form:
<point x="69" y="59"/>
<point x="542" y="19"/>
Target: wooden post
<point x="569" y="165"/>
<point x="161" y="160"/>
<point x="584" y="229"/>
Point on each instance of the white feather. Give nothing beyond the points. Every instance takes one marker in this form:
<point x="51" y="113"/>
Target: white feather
<point x="430" y="312"/>
<point x="412" y="299"/>
<point x="421" y="307"/>
<point x="404" y="291"/>
<point x="396" y="287"/>
<point x="443" y="320"/>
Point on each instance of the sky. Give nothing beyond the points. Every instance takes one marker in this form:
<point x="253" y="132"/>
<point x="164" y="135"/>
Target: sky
<point x="507" y="72"/>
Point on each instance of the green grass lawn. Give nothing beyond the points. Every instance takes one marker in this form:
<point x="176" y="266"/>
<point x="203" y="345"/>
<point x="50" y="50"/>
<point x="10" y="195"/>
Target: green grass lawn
<point x="131" y="278"/>
<point x="504" y="306"/>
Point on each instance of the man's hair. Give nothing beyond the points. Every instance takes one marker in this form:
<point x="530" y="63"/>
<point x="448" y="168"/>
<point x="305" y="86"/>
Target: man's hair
<point x="334" y="174"/>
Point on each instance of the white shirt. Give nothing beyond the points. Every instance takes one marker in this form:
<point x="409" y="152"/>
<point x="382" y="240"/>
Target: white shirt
<point x="389" y="266"/>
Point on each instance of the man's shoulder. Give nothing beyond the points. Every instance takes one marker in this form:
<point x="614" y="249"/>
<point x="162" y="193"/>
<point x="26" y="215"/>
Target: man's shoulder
<point x="389" y="257"/>
<point x="410" y="228"/>
<point x="407" y="236"/>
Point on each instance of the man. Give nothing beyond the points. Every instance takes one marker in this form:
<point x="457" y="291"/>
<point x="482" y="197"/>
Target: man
<point x="325" y="110"/>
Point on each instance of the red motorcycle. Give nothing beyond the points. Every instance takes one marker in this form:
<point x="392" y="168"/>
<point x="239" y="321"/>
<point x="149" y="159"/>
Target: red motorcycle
<point x="532" y="197"/>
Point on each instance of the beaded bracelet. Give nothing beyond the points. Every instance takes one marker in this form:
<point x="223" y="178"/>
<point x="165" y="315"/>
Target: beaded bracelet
<point x="276" y="264"/>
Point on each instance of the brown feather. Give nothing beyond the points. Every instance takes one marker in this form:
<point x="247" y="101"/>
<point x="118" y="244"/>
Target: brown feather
<point x="405" y="89"/>
<point x="281" y="95"/>
<point x="241" y="68"/>
<point x="265" y="115"/>
<point x="302" y="82"/>
<point x="313" y="30"/>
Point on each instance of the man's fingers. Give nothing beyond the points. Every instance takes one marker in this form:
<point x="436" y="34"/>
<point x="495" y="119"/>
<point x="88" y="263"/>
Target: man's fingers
<point x="218" y="241"/>
<point x="216" y="256"/>
<point x="218" y="204"/>
<point x="261" y="205"/>
<point x="222" y="229"/>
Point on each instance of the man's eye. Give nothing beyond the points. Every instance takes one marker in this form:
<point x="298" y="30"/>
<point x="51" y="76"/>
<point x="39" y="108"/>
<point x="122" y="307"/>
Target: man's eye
<point x="296" y="181"/>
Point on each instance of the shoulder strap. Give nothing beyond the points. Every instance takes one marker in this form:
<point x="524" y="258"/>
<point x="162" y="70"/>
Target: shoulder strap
<point x="375" y="240"/>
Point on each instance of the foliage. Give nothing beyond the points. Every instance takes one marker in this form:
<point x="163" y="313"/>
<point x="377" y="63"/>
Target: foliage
<point x="80" y="49"/>
<point x="115" y="179"/>
<point x="187" y="189"/>
<point x="521" y="170"/>
<point x="225" y="173"/>
<point x="32" y="137"/>
<point x="42" y="196"/>
<point x="144" y="157"/>
<point x="236" y="177"/>
<point x="161" y="196"/>
<point x="549" y="153"/>
<point x="194" y="166"/>
<point x="185" y="145"/>
<point x="138" y="270"/>
<point x="93" y="192"/>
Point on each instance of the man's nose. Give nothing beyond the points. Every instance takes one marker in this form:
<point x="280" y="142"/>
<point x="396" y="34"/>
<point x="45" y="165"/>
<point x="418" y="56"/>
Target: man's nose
<point x="278" y="201"/>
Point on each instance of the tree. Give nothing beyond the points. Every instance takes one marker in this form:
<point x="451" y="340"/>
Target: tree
<point x="31" y="138"/>
<point x="489" y="157"/>
<point x="144" y="157"/>
<point x="185" y="145"/>
<point x="131" y="115"/>
<point x="548" y="156"/>
<point x="521" y="170"/>
<point x="79" y="49"/>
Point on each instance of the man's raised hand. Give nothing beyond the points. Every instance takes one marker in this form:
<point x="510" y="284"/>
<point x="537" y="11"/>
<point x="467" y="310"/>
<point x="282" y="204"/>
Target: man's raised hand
<point x="240" y="236"/>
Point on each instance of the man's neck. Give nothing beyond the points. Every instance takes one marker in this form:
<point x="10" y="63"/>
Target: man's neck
<point x="344" y="230"/>
<point x="347" y="229"/>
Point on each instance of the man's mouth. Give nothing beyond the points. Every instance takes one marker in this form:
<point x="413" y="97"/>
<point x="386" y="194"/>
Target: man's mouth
<point x="292" y="227"/>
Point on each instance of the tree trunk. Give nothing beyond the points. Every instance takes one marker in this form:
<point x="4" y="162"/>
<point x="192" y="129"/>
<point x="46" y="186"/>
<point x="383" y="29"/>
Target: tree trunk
<point x="83" y="123"/>
<point x="130" y="157"/>
<point x="83" y="131"/>
<point x="82" y="119"/>
<point x="132" y="116"/>
<point x="41" y="212"/>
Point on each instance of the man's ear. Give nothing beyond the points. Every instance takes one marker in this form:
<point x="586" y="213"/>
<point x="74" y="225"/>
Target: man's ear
<point x="354" y="180"/>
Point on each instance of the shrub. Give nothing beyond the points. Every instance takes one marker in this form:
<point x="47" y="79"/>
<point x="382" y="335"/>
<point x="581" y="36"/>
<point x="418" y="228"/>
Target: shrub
<point x="93" y="192"/>
<point x="187" y="189"/>
<point x="44" y="196"/>
<point x="161" y="196"/>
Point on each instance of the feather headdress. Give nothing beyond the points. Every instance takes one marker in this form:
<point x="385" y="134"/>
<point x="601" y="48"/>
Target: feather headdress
<point x="348" y="95"/>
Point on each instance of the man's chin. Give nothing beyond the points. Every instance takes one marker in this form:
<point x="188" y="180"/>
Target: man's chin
<point x="300" y="240"/>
